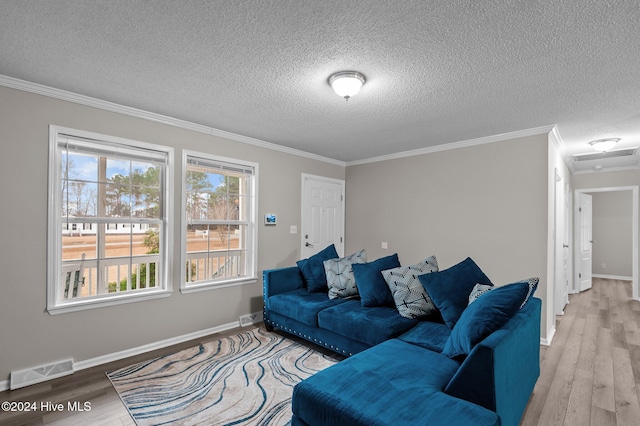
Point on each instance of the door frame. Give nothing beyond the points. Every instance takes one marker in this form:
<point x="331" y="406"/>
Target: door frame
<point x="306" y="177"/>
<point x="634" y="237"/>
<point x="580" y="243"/>
<point x="562" y="236"/>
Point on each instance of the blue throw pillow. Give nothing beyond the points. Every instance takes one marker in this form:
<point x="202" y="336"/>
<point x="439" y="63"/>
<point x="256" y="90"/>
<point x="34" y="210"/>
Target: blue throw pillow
<point x="450" y="289"/>
<point x="485" y="315"/>
<point x="371" y="285"/>
<point x="312" y="269"/>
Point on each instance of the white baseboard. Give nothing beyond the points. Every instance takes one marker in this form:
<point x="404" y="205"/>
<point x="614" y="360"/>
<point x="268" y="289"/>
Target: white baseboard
<point x="88" y="363"/>
<point x="612" y="277"/>
<point x="93" y="362"/>
<point x="550" y="334"/>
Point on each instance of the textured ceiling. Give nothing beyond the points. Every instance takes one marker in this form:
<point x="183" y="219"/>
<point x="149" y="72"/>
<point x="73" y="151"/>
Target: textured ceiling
<point x="437" y="71"/>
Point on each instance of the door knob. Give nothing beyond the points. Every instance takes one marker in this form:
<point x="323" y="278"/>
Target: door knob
<point x="308" y="245"/>
<point x="565" y="246"/>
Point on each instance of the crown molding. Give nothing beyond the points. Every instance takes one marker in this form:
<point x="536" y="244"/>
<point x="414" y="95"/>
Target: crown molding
<point x="39" y="89"/>
<point x="67" y="96"/>
<point x="556" y="139"/>
<point x="607" y="169"/>
<point x="456" y="145"/>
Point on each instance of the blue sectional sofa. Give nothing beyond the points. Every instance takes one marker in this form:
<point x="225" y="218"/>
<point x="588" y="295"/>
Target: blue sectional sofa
<point x="411" y="370"/>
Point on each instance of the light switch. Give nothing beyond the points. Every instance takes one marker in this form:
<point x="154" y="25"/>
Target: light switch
<point x="385" y="245"/>
<point x="294" y="229"/>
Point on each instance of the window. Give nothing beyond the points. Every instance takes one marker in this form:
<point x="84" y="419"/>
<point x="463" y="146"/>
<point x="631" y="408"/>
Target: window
<point x="219" y="222"/>
<point x="108" y="222"/>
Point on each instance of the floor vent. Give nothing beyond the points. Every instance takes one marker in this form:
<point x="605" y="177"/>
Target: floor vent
<point x="31" y="376"/>
<point x="253" y="318"/>
<point x="604" y="155"/>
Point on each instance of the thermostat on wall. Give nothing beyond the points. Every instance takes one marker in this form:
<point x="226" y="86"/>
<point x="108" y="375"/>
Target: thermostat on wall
<point x="270" y="219"/>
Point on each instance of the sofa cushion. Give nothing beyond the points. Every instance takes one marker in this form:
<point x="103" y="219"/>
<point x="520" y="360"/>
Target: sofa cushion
<point x="409" y="296"/>
<point x="340" y="278"/>
<point x="428" y="334"/>
<point x="368" y="325"/>
<point x="312" y="269"/>
<point x="450" y="289"/>
<point x="371" y="285"/>
<point x="484" y="316"/>
<point x="301" y="305"/>
<point x="394" y="383"/>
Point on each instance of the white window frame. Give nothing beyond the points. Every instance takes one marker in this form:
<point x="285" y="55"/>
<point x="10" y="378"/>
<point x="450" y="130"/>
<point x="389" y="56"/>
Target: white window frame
<point x="251" y="222"/>
<point x="56" y="303"/>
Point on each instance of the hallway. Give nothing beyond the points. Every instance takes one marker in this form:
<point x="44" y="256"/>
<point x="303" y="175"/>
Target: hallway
<point x="590" y="375"/>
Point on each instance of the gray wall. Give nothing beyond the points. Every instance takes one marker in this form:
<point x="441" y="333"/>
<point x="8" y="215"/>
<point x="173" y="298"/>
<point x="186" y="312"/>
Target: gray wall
<point x="29" y="336"/>
<point x="612" y="233"/>
<point x="606" y="179"/>
<point x="489" y="202"/>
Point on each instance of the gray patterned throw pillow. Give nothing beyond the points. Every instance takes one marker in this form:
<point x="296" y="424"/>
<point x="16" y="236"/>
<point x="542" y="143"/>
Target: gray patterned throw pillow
<point x="533" y="285"/>
<point x="410" y="297"/>
<point x="340" y="279"/>
<point x="479" y="290"/>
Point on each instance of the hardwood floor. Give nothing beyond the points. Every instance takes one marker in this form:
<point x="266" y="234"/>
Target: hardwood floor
<point x="590" y="375"/>
<point x="90" y="385"/>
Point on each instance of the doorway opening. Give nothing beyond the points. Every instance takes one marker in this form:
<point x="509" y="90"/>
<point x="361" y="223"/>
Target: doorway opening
<point x="581" y="235"/>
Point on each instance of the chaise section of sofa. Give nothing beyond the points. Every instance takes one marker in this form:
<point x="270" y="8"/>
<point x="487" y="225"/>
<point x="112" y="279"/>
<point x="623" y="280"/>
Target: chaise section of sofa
<point x="394" y="383"/>
<point x="402" y="382"/>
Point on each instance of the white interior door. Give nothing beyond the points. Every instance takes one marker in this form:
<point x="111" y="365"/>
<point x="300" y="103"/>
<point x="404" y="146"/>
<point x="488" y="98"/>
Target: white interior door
<point x="566" y="253"/>
<point x="322" y="214"/>
<point x="585" y="215"/>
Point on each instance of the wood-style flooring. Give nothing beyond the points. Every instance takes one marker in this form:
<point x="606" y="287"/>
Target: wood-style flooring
<point x="590" y="375"/>
<point x="90" y="385"/>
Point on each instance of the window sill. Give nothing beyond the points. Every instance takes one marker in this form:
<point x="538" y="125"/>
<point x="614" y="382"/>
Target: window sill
<point x="212" y="285"/>
<point x="104" y="301"/>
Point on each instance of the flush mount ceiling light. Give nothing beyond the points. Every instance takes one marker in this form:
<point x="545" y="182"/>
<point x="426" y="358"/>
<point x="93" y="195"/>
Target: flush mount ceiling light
<point x="346" y="83"/>
<point x="604" y="145"/>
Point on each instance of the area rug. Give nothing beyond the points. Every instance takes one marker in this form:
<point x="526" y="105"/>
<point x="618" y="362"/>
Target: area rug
<point x="246" y="379"/>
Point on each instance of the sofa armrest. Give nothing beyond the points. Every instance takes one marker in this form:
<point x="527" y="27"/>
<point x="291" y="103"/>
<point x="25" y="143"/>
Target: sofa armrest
<point x="278" y="281"/>
<point x="281" y="280"/>
<point x="501" y="371"/>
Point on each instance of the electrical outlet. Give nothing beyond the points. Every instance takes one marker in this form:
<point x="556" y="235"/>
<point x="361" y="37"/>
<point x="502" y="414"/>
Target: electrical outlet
<point x="384" y="245"/>
<point x="604" y="266"/>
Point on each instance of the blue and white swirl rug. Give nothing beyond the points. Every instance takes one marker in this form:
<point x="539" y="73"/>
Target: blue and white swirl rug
<point x="246" y="379"/>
